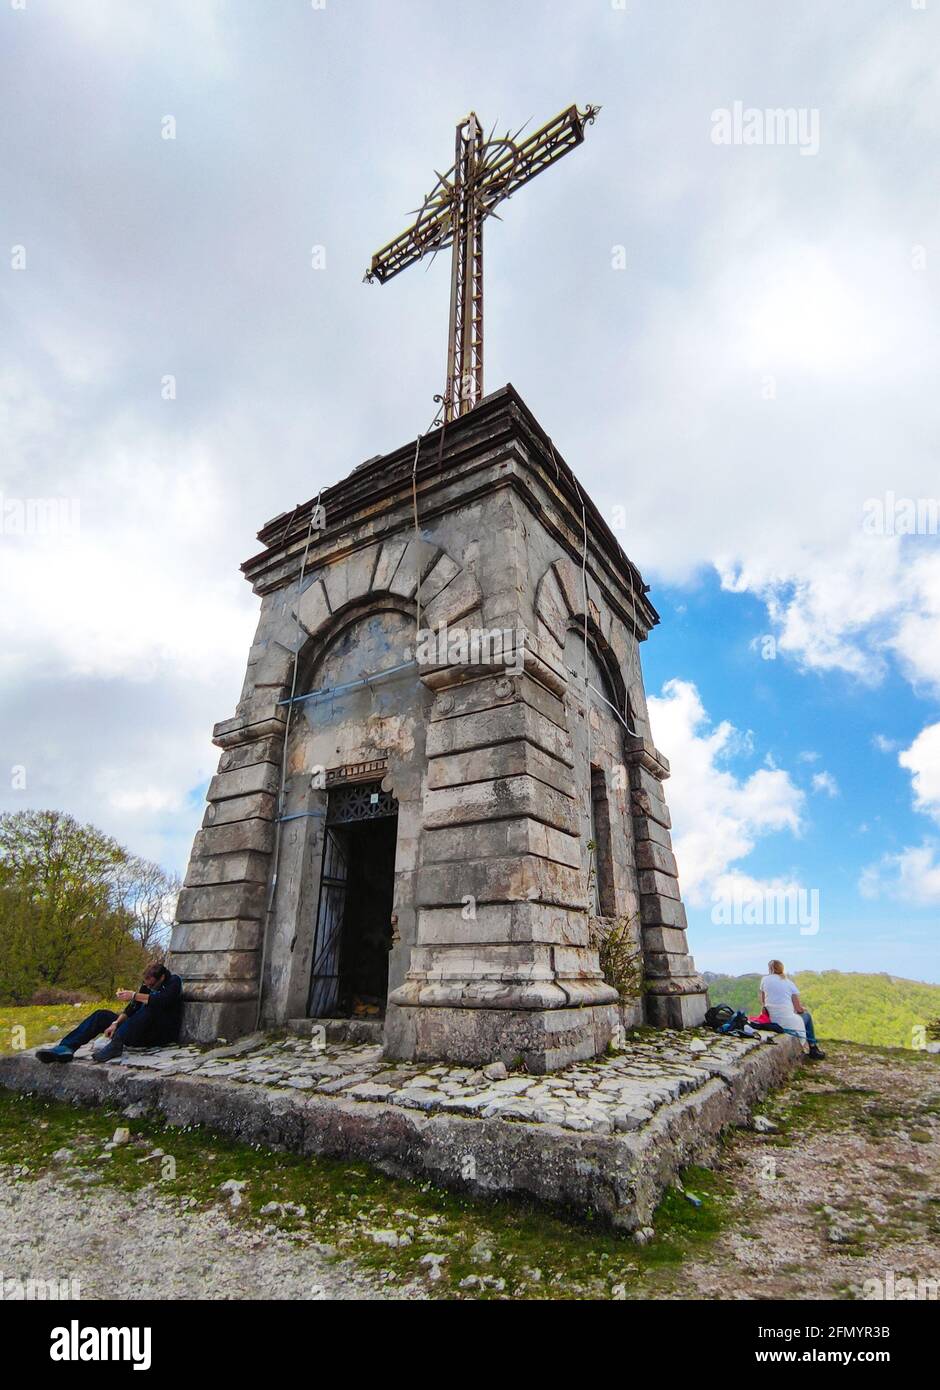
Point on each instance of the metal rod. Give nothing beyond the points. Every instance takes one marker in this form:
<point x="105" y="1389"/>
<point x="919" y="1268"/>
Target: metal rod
<point x="349" y="685"/>
<point x="632" y="732"/>
<point x="456" y="207"/>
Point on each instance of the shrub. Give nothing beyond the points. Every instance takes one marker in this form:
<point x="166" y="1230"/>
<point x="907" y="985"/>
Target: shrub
<point x="615" y="940"/>
<point x="49" y="994"/>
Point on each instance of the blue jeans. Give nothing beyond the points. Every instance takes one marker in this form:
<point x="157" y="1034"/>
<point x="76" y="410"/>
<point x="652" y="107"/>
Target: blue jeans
<point x="807" y="1018"/>
<point x="133" y="1032"/>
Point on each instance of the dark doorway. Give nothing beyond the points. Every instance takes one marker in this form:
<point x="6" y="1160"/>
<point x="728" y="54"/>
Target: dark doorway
<point x="354" y="915"/>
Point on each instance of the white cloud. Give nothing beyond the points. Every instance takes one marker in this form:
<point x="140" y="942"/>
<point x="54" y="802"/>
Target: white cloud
<point x="916" y="637"/>
<point x="122" y="640"/>
<point x="922" y="760"/>
<point x="825" y="782"/>
<point x="738" y="884"/>
<point x="118" y="650"/>
<point x="742" y="900"/>
<point x="850" y="606"/>
<point x="803" y="365"/>
<point x="137" y="589"/>
<point x="913" y="875"/>
<point x="828" y="605"/>
<point x="194" y="30"/>
<point x="718" y="816"/>
<point x="805" y="311"/>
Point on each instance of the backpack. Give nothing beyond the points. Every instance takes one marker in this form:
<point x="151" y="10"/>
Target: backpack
<point x="724" y="1019"/>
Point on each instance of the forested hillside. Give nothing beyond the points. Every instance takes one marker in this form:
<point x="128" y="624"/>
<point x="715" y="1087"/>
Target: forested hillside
<point x="880" y="1009"/>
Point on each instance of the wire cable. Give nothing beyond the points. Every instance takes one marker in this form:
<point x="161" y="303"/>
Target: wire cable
<point x="276" y="855"/>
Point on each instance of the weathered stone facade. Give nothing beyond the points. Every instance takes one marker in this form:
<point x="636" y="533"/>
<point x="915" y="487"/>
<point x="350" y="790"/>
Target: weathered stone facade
<point x="529" y="793"/>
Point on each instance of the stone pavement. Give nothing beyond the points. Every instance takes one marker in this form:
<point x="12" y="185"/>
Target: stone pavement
<point x="603" y="1137"/>
<point x="617" y="1093"/>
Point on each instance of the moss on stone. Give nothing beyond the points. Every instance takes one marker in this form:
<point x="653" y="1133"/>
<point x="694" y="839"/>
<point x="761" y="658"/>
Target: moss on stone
<point x="533" y="1254"/>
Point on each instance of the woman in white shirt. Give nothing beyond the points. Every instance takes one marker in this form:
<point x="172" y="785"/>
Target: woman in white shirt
<point x="781" y="998"/>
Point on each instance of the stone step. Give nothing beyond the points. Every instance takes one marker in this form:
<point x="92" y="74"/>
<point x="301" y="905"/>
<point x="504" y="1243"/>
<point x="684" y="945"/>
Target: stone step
<point x="351" y="1030"/>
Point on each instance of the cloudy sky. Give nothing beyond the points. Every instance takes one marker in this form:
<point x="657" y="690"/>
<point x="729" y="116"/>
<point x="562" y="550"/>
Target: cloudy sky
<point x="732" y="339"/>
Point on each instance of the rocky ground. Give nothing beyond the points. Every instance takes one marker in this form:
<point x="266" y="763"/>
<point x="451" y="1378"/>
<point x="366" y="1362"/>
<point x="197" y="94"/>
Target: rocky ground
<point x="837" y="1184"/>
<point x="58" y="1228"/>
<point x="847" y="1190"/>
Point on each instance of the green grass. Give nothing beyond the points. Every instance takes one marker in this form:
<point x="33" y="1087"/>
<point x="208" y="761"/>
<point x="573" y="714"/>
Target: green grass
<point x="23" y="1026"/>
<point x="880" y="1010"/>
<point x="817" y="1099"/>
<point x="536" y="1254"/>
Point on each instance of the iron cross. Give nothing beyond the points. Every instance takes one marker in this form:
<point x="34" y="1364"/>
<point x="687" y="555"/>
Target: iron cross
<point x="485" y="171"/>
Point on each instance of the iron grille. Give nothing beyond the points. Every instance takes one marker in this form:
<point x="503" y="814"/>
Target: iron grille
<point x="359" y="801"/>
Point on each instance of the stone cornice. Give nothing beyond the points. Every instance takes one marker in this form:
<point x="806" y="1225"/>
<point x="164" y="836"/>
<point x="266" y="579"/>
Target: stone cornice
<point x="502" y="442"/>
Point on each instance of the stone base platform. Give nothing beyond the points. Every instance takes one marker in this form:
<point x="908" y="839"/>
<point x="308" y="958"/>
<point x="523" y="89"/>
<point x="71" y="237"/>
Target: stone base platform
<point x="603" y="1138"/>
<point x="542" y="1040"/>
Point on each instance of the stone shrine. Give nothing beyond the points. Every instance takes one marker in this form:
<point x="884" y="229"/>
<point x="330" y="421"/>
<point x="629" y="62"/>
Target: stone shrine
<point x="439" y="791"/>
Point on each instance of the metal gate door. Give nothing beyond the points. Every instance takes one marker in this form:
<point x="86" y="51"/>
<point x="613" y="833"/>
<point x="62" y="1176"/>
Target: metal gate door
<point x="347" y="805"/>
<point x="324" y="982"/>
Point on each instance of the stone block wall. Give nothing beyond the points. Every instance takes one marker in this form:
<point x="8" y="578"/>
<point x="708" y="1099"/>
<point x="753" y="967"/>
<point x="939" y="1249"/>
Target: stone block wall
<point x="499" y="771"/>
<point x="217" y="940"/>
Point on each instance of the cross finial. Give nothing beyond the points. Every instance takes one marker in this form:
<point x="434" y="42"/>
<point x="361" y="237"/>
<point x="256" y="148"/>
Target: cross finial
<point x="484" y="173"/>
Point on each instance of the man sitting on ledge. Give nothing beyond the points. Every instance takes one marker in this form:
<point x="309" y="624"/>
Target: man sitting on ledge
<point x="151" y="1019"/>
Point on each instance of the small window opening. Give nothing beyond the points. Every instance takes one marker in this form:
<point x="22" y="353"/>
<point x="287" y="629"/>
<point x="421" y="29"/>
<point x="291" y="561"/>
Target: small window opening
<point x="605" y="903"/>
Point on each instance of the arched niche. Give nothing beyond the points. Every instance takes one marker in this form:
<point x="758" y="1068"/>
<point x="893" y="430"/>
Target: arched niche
<point x="362" y="710"/>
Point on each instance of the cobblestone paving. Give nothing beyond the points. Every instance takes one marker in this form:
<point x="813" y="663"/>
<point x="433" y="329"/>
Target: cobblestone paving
<point x="620" y="1092"/>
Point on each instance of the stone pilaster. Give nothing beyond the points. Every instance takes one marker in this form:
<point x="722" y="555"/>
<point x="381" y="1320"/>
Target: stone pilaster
<point x="502" y="967"/>
<point x="675" y="993"/>
<point x="217" y="940"/>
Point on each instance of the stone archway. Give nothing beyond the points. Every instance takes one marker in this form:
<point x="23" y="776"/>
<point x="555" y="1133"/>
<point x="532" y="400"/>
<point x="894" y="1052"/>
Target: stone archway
<point x="448" y="593"/>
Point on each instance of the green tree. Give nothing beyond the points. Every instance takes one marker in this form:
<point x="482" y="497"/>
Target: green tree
<point x="76" y="910"/>
<point x="149" y="894"/>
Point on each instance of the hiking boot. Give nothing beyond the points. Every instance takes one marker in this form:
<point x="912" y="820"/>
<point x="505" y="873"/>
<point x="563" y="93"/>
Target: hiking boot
<point x="59" y="1053"/>
<point x="109" y="1053"/>
<point x="816" y="1053"/>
